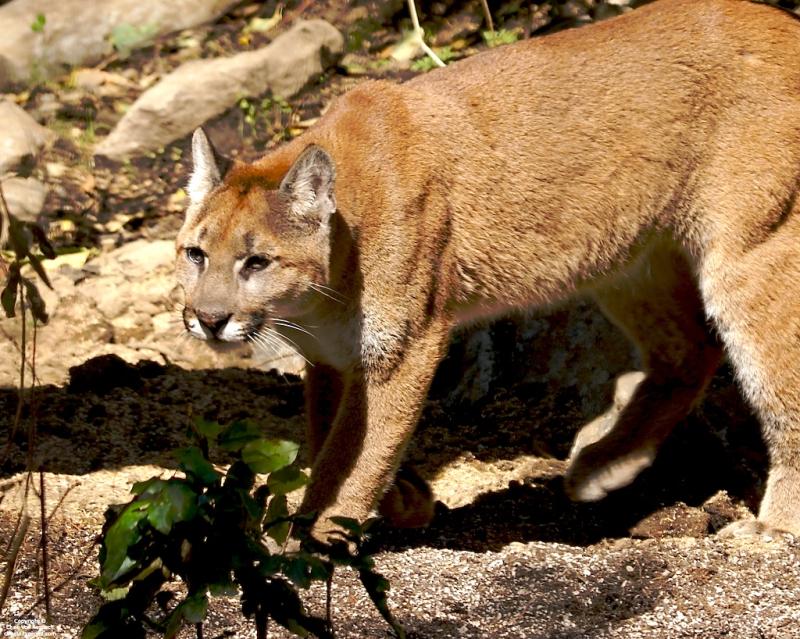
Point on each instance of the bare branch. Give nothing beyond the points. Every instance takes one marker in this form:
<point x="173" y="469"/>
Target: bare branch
<point x="412" y="9"/>
<point x="488" y="15"/>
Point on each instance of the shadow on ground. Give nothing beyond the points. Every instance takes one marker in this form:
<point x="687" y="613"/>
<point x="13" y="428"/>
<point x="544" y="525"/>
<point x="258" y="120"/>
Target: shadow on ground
<point x="113" y="414"/>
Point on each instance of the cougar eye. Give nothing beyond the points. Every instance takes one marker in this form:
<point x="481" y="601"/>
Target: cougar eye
<point x="256" y="263"/>
<point x="195" y="255"/>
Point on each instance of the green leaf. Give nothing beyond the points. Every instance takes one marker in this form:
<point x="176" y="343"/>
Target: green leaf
<point x="174" y="623"/>
<point x="140" y="487"/>
<point x="36" y="263"/>
<point x="113" y="621"/>
<point x="286" y="480"/>
<point x="208" y="429"/>
<point x="277" y="510"/>
<point x="35" y="301"/>
<point x="194" y="464"/>
<point x="268" y="455"/>
<point x="320" y="570"/>
<point x="223" y="588"/>
<point x="377" y="586"/>
<point x="150" y="487"/>
<point x="19" y="238"/>
<point x="8" y="297"/>
<point x="176" y="502"/>
<point x="121" y="535"/>
<point x="235" y="436"/>
<point x="499" y="37"/>
<point x="287" y="609"/>
<point x="195" y="607"/>
<point x="126" y="37"/>
<point x="239" y="477"/>
<point x="37" y="26"/>
<point x="298" y="570"/>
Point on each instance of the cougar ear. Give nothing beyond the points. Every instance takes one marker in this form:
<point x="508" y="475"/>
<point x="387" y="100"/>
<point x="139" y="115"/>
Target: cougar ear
<point x="205" y="171"/>
<point x="308" y="186"/>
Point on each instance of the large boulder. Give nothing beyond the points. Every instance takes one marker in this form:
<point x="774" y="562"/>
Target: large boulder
<point x="25" y="197"/>
<point x="21" y="138"/>
<point x="77" y="32"/>
<point x="202" y="89"/>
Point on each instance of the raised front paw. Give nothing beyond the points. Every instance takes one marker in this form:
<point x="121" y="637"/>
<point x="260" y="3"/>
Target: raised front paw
<point x="593" y="473"/>
<point x="408" y="503"/>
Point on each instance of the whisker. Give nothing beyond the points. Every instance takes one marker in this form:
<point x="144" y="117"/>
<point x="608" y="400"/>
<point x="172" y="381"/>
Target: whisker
<point x="270" y="340"/>
<point x="278" y="335"/>
<point x="266" y="347"/>
<point x="289" y="342"/>
<point x="332" y="290"/>
<point x="322" y="292"/>
<point x="297" y="327"/>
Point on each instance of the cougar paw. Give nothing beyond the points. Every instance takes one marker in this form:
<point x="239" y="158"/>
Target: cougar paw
<point x="327" y="533"/>
<point x="589" y="478"/>
<point x="409" y="501"/>
<point x="752" y="529"/>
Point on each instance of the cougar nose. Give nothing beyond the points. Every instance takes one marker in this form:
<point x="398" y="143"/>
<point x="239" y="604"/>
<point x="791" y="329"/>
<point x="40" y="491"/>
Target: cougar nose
<point x="213" y="321"/>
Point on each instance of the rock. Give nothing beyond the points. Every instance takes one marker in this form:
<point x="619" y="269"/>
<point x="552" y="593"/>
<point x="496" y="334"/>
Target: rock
<point x="141" y="257"/>
<point x="25" y="197"/>
<point x="102" y="83"/>
<point x="131" y="327"/>
<point x="21" y="138"/>
<point x="75" y="32"/>
<point x="202" y="89"/>
<point x="678" y="520"/>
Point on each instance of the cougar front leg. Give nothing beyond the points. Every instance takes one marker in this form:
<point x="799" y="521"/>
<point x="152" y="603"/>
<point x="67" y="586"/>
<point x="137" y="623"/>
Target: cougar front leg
<point x="324" y="386"/>
<point x="408" y="502"/>
<point x="375" y="420"/>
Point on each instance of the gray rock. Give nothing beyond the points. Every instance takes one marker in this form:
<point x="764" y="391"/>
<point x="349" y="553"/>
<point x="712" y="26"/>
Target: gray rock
<point x="78" y="32"/>
<point x="202" y="89"/>
<point x="25" y="197"/>
<point x="21" y="138"/>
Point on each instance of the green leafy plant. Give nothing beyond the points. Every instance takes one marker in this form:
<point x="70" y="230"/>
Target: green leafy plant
<point x="37" y="26"/>
<point x="499" y="37"/>
<point x="268" y="110"/>
<point x="21" y="292"/>
<point x="126" y="37"/>
<point x="208" y="529"/>
<point x="427" y="63"/>
<point x="23" y="238"/>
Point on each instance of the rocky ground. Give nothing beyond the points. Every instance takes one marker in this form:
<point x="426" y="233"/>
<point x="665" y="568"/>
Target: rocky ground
<point x="98" y="156"/>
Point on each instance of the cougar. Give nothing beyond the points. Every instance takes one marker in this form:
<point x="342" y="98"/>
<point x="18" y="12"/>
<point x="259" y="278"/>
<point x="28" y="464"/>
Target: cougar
<point x="651" y="161"/>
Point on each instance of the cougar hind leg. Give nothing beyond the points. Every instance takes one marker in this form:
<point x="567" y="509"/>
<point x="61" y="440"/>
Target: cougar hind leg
<point x="657" y="305"/>
<point x="754" y="298"/>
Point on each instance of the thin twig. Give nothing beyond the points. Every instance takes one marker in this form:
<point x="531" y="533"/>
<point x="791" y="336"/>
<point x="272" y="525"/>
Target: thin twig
<point x="61" y="501"/>
<point x="43" y="546"/>
<point x="72" y="574"/>
<point x="11" y="560"/>
<point x="24" y="348"/>
<point x="11" y="339"/>
<point x="328" y="601"/>
<point x="488" y="15"/>
<point x="5" y="222"/>
<point x="412" y="9"/>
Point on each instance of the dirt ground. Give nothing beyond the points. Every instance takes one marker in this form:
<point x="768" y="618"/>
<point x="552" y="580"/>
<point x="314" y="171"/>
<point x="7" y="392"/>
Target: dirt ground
<point x="508" y="555"/>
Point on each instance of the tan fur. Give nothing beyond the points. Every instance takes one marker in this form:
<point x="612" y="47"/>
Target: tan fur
<point x="652" y="160"/>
